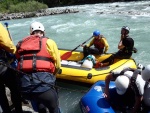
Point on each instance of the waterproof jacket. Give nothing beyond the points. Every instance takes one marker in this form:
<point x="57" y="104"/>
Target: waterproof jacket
<point x="100" y="44"/>
<point x="5" y="41"/>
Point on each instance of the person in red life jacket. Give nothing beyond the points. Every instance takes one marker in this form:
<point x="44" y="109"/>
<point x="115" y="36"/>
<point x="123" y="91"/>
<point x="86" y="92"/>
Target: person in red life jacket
<point x="8" y="76"/>
<point x="125" y="46"/>
<point x="100" y="45"/>
<point x="38" y="56"/>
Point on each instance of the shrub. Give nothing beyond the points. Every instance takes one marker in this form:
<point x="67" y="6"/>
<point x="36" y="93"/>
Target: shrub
<point x="29" y="6"/>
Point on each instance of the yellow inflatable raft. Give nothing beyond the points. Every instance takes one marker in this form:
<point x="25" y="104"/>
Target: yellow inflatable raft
<point x="72" y="70"/>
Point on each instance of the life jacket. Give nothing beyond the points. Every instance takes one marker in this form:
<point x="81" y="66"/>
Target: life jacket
<point x="98" y="44"/>
<point x="136" y="88"/>
<point x="33" y="56"/>
<point x="146" y="96"/>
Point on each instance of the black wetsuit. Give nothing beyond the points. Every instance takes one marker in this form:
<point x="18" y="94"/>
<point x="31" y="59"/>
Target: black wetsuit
<point x="124" y="53"/>
<point x="8" y="79"/>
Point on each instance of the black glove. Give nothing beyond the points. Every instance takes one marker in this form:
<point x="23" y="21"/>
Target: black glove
<point x="134" y="50"/>
<point x="10" y="55"/>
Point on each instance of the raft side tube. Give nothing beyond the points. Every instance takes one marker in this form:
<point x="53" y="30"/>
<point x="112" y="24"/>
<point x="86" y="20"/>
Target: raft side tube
<point x="94" y="102"/>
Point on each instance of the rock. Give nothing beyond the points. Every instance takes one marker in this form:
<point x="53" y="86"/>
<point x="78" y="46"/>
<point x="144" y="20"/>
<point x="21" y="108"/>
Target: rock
<point x="27" y="108"/>
<point x="42" y="12"/>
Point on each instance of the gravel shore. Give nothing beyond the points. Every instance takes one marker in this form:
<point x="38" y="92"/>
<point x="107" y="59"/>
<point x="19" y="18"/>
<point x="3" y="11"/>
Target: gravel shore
<point x="42" y="12"/>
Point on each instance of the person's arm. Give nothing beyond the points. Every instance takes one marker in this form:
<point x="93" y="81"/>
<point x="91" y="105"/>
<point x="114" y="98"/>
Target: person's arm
<point x="120" y="45"/>
<point x="137" y="104"/>
<point x="107" y="81"/>
<point x="5" y="42"/>
<point x="91" y="43"/>
<point x="105" y="44"/>
<point x="53" y="50"/>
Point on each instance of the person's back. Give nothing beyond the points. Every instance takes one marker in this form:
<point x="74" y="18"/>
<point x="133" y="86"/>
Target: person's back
<point x="39" y="57"/>
<point x="7" y="75"/>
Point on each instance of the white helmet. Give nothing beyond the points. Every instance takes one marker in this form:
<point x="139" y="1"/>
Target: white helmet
<point x="87" y="64"/>
<point x="146" y="73"/>
<point x="36" y="26"/>
<point x="122" y="83"/>
<point x="128" y="74"/>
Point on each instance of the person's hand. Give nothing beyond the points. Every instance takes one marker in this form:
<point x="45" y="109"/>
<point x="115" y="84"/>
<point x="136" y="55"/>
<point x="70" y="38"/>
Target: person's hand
<point x="106" y="95"/>
<point x="82" y="45"/>
<point x="135" y="50"/>
<point x="116" y="72"/>
<point x="122" y="36"/>
<point x="10" y="55"/>
<point x="57" y="71"/>
<point x="14" y="63"/>
<point x="104" y="52"/>
<point x="133" y="110"/>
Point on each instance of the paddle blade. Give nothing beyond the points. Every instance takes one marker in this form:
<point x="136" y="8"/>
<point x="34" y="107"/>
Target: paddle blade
<point x="66" y="55"/>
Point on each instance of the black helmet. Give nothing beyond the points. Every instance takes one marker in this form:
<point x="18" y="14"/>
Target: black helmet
<point x="126" y="28"/>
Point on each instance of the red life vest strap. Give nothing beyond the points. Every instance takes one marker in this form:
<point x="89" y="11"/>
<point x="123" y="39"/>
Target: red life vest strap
<point x="37" y="58"/>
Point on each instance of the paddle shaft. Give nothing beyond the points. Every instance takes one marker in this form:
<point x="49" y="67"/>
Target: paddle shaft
<point x="82" y="44"/>
<point x="6" y="24"/>
<point x="68" y="54"/>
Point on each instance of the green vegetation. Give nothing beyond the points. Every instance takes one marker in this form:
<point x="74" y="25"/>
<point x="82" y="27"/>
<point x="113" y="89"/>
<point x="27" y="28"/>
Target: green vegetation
<point x="15" y="6"/>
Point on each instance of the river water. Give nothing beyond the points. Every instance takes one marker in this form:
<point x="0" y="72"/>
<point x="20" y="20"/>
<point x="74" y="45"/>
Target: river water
<point x="70" y="30"/>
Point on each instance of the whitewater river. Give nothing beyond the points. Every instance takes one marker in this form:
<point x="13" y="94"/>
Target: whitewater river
<point x="70" y="30"/>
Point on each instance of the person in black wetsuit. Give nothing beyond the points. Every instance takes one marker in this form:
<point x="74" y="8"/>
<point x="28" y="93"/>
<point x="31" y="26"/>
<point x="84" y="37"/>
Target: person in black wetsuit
<point x="125" y="46"/>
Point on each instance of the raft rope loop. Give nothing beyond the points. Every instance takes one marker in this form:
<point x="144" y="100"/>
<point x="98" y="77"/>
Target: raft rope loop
<point x="58" y="87"/>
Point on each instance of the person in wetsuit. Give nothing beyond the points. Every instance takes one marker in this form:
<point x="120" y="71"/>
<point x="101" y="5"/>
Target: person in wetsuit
<point x="125" y="46"/>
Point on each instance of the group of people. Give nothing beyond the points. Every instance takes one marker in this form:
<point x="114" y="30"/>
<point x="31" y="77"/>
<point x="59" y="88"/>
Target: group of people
<point x="101" y="46"/>
<point x="132" y="90"/>
<point x="37" y="81"/>
<point x="38" y="62"/>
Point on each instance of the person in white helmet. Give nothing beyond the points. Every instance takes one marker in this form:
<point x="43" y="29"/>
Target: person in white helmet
<point x="129" y="89"/>
<point x="125" y="46"/>
<point x="146" y="97"/>
<point x="38" y="56"/>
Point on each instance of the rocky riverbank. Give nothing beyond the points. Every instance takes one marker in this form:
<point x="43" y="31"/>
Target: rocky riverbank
<point x="27" y="108"/>
<point x="43" y="12"/>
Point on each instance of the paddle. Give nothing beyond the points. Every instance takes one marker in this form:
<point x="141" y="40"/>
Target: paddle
<point x="6" y="24"/>
<point x="68" y="54"/>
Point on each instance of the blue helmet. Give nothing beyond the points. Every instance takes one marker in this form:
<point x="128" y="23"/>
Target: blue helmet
<point x="96" y="33"/>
